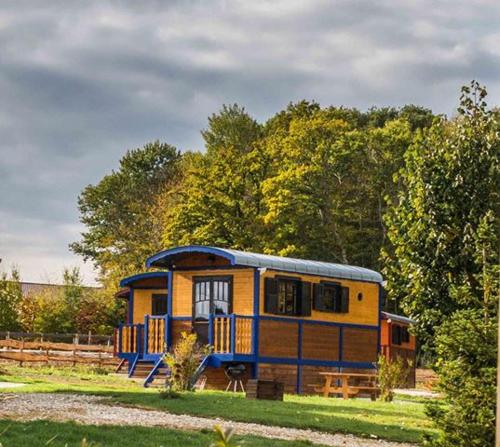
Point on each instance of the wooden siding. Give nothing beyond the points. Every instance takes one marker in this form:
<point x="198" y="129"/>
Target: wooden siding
<point x="278" y="339"/>
<point x="365" y="311"/>
<point x="242" y="290"/>
<point x="200" y="260"/>
<point x="320" y="342"/>
<point x="143" y="303"/>
<point x="359" y="345"/>
<point x="282" y="373"/>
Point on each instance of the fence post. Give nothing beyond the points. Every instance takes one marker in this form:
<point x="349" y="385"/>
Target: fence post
<point x="90" y="337"/>
<point x="8" y="335"/>
<point x="22" y="350"/>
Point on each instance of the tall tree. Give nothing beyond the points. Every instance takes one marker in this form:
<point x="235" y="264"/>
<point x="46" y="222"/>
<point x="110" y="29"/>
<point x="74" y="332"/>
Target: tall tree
<point x="218" y="203"/>
<point x="120" y="232"/>
<point x="450" y="184"/>
<point x="331" y="170"/>
<point x="444" y="265"/>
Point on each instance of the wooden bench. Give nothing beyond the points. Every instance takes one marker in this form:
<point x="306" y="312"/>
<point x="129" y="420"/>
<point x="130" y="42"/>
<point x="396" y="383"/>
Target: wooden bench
<point x="364" y="384"/>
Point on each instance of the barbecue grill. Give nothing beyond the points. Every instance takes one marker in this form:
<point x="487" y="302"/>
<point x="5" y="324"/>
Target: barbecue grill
<point x="235" y="373"/>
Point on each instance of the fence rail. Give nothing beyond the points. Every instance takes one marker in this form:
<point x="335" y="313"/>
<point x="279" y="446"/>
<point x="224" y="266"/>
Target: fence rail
<point x="47" y="352"/>
<point x="89" y="338"/>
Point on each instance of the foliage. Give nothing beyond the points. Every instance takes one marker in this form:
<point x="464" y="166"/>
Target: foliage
<point x="451" y="184"/>
<point x="392" y="374"/>
<point x="183" y="361"/>
<point x="218" y="200"/>
<point x="117" y="211"/>
<point x="224" y="437"/>
<point x="467" y="377"/>
<point x="10" y="297"/>
<point x="69" y="308"/>
<point x="445" y="266"/>
<point x="309" y="183"/>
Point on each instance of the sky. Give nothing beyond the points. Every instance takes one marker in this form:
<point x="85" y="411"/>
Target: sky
<point x="83" y="81"/>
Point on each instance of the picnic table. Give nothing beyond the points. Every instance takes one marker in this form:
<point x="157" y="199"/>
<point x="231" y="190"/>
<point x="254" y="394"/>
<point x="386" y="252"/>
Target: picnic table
<point x="364" y="383"/>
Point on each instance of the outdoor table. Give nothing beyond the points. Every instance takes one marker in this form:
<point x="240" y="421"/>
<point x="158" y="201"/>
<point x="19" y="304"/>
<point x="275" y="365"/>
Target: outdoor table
<point x="347" y="390"/>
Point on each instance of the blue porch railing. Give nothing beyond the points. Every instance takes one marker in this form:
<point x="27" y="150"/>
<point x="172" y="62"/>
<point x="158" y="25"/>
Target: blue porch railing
<point x="130" y="338"/>
<point x="156" y="329"/>
<point x="231" y="334"/>
<point x="227" y="334"/>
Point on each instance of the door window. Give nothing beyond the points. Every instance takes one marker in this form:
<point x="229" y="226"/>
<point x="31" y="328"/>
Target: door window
<point x="211" y="295"/>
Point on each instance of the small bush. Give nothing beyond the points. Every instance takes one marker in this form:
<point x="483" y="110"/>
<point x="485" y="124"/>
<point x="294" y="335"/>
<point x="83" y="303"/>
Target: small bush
<point x="223" y="437"/>
<point x="184" y="361"/>
<point x="391" y="374"/>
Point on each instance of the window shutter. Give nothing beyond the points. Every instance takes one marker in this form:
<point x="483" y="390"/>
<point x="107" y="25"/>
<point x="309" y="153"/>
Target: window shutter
<point x="271" y="295"/>
<point x="396" y="335"/>
<point x="318" y="297"/>
<point x="344" y="300"/>
<point x="405" y="335"/>
<point x="305" y="302"/>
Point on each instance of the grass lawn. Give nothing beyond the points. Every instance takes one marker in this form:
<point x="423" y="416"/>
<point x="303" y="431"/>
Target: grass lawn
<point x="403" y="420"/>
<point x="57" y="434"/>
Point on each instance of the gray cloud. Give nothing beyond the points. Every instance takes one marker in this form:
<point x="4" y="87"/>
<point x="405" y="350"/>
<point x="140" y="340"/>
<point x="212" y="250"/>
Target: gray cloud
<point x="83" y="81"/>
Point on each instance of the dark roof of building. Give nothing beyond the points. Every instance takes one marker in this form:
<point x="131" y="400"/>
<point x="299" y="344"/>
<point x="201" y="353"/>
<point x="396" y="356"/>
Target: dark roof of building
<point x="36" y="287"/>
<point x="236" y="257"/>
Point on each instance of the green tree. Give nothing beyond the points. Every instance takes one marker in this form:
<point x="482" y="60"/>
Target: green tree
<point x="331" y="169"/>
<point x="10" y="299"/>
<point x="117" y="212"/>
<point x="466" y="347"/>
<point x="445" y="265"/>
<point x="450" y="182"/>
<point x="218" y="202"/>
<point x="51" y="311"/>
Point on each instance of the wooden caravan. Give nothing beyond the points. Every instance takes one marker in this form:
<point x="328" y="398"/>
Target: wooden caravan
<point x="285" y="319"/>
<point x="396" y="341"/>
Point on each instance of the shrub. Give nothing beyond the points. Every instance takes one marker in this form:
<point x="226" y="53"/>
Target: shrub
<point x="467" y="350"/>
<point x="391" y="374"/>
<point x="183" y="361"/>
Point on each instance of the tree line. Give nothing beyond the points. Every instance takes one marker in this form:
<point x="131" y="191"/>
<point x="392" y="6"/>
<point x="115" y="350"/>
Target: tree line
<point x="62" y="309"/>
<point x="310" y="182"/>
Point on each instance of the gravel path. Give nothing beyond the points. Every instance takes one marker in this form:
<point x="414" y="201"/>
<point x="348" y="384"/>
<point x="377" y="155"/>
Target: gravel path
<point x="94" y="410"/>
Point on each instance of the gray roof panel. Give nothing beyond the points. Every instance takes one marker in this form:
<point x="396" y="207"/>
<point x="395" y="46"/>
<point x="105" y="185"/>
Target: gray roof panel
<point x="243" y="258"/>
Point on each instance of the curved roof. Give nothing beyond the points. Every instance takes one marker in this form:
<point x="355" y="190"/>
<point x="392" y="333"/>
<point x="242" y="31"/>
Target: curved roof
<point x="131" y="279"/>
<point x="236" y="257"/>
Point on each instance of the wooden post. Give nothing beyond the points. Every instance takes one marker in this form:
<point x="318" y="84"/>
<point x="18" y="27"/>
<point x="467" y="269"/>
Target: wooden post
<point x="90" y="337"/>
<point x="345" y="387"/>
<point x="22" y="349"/>
<point x="328" y="383"/>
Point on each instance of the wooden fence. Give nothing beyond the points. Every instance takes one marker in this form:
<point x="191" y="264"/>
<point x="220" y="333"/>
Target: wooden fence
<point x="49" y="352"/>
